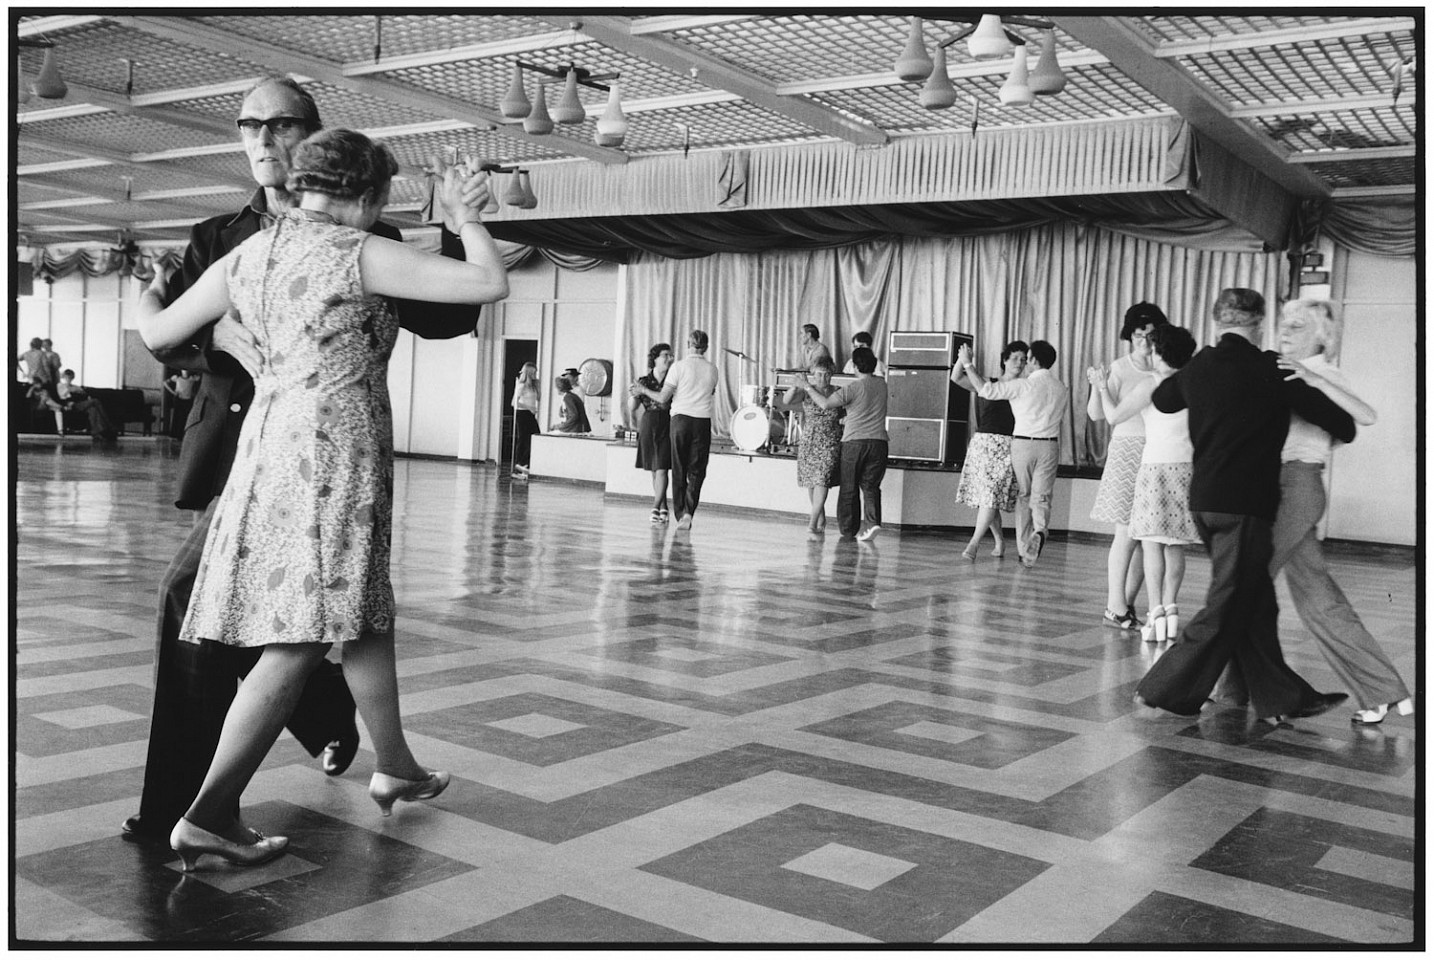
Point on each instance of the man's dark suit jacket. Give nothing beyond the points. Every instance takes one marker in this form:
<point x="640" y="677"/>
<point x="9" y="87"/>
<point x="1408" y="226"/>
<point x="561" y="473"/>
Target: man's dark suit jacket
<point x="211" y="436"/>
<point x="1240" y="403"/>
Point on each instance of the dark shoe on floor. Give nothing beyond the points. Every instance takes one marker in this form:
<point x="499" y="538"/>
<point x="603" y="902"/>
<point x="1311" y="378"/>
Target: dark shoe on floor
<point x="1040" y="544"/>
<point x="1320" y="704"/>
<point x="339" y="754"/>
<point x="133" y="828"/>
<point x="1125" y="621"/>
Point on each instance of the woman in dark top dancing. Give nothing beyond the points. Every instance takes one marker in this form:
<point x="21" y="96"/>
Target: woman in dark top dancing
<point x="654" y="449"/>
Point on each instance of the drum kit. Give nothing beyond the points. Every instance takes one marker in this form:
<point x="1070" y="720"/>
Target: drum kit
<point x="757" y="423"/>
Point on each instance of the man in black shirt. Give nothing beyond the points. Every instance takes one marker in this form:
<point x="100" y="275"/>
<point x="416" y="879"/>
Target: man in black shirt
<point x="1239" y="403"/>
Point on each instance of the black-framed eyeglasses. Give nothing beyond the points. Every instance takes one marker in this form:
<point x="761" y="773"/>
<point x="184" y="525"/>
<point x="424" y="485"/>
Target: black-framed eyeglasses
<point x="278" y="126"/>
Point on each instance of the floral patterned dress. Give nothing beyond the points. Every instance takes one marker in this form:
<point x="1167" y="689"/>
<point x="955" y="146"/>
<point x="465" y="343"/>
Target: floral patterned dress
<point x="298" y="551"/>
<point x="819" y="454"/>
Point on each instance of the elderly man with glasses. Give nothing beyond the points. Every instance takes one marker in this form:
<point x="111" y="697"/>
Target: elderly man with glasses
<point x="194" y="683"/>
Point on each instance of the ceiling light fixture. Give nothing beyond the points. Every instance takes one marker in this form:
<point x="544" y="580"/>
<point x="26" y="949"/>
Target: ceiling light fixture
<point x="914" y="64"/>
<point x="48" y="84"/>
<point x="538" y="120"/>
<point x="612" y="125"/>
<point x="986" y="38"/>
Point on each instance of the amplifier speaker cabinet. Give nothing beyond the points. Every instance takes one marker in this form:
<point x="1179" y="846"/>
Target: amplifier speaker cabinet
<point x="908" y="348"/>
<point x="937" y="441"/>
<point x="924" y="394"/>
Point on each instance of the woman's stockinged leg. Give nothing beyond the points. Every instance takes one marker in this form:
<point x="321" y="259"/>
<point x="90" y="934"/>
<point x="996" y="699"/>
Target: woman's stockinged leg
<point x="1174" y="572"/>
<point x="1154" y="561"/>
<point x="659" y="489"/>
<point x="986" y="517"/>
<point x="262" y="706"/>
<point x="1117" y="570"/>
<point x="372" y="676"/>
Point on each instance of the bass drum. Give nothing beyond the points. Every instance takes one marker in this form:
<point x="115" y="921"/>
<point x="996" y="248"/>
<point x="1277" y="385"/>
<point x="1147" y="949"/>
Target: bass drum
<point x="750" y="428"/>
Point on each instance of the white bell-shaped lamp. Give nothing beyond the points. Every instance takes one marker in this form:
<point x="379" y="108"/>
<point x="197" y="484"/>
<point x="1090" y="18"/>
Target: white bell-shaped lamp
<point x="49" y="84"/>
<point x="612" y="125"/>
<point x="990" y="40"/>
<point x="537" y="122"/>
<point x="569" y="109"/>
<point x="491" y="206"/>
<point x="1016" y="91"/>
<point x="1047" y="77"/>
<point x="914" y="64"/>
<point x="515" y="104"/>
<point x="22" y="83"/>
<point x="530" y="199"/>
<point x="939" y="93"/>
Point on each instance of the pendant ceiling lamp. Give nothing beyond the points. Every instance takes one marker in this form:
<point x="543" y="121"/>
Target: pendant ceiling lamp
<point x="914" y="64"/>
<point x="530" y="200"/>
<point x="513" y="194"/>
<point x="569" y="109"/>
<point x="22" y="85"/>
<point x="515" y="104"/>
<point x="1016" y="91"/>
<point x="537" y="121"/>
<point x="939" y="93"/>
<point x="49" y="84"/>
<point x="1047" y="77"/>
<point x="990" y="40"/>
<point x="612" y="125"/>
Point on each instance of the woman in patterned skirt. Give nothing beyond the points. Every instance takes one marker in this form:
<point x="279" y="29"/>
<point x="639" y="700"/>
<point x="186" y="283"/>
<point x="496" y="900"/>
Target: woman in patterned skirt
<point x="819" y="454"/>
<point x="1122" y="462"/>
<point x="988" y="481"/>
<point x="654" y="449"/>
<point x="1160" y="509"/>
<point x="297" y="558"/>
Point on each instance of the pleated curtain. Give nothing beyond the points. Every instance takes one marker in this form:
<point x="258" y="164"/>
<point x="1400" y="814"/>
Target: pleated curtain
<point x="1069" y="284"/>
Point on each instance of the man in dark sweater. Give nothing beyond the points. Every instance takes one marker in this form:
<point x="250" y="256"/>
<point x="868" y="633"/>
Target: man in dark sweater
<point x="1239" y="403"/>
<point x="195" y="683"/>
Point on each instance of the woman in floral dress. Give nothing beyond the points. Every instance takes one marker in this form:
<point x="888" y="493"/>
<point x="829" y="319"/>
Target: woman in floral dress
<point x="298" y="556"/>
<point x="988" y="479"/>
<point x="819" y="454"/>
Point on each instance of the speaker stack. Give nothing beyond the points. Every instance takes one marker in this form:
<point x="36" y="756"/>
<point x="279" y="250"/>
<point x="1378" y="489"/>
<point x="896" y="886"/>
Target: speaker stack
<point x="926" y="414"/>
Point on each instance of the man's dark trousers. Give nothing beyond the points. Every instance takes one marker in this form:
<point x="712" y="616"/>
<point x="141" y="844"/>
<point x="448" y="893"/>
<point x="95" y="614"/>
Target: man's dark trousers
<point x="863" y="465"/>
<point x="691" y="444"/>
<point x="1238" y="622"/>
<point x="194" y="683"/>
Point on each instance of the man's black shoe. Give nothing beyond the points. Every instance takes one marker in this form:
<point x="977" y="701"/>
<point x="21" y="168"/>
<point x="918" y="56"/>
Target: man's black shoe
<point x="133" y="828"/>
<point x="1320" y="704"/>
<point x="340" y="753"/>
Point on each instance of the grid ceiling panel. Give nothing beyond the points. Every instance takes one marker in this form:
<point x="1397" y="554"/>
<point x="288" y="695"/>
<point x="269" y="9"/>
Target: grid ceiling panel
<point x="143" y="179"/>
<point x="1170" y="29"/>
<point x="1394" y="172"/>
<point x="486" y="81"/>
<point x="93" y="55"/>
<point x="731" y="123"/>
<point x="27" y="154"/>
<point x="130" y="133"/>
<point x="1345" y="129"/>
<point x="351" y="39"/>
<point x="1329" y="68"/>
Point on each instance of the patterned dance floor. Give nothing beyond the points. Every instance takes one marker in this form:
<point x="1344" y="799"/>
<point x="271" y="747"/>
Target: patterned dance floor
<point x="731" y="735"/>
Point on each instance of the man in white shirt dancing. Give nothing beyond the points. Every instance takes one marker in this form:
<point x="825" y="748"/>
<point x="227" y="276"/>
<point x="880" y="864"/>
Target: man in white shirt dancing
<point x="1039" y="402"/>
<point x="691" y="385"/>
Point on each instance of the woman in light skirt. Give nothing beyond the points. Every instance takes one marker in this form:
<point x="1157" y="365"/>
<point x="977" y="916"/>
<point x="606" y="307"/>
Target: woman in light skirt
<point x="988" y="480"/>
<point x="1122" y="462"/>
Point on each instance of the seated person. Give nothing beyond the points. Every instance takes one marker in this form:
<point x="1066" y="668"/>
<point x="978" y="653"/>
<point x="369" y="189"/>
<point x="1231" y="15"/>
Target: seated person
<point x="863" y="339"/>
<point x="73" y="397"/>
<point x="574" y="413"/>
<point x="45" y="398"/>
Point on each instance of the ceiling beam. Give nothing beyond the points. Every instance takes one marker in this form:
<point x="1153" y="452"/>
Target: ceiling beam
<point x="1312" y="33"/>
<point x="1290" y="108"/>
<point x="475" y="51"/>
<point x="1401" y="190"/>
<point x="98" y="223"/>
<point x="43" y="25"/>
<point x="215" y="40"/>
<point x="1133" y="56"/>
<point x="681" y="59"/>
<point x="1355" y="153"/>
<point x="671" y="23"/>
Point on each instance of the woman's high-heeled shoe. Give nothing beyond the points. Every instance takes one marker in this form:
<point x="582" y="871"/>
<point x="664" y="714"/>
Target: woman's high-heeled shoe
<point x="1153" y="630"/>
<point x="999" y="550"/>
<point x="1172" y="621"/>
<point x="190" y="842"/>
<point x="969" y="553"/>
<point x="385" y="789"/>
